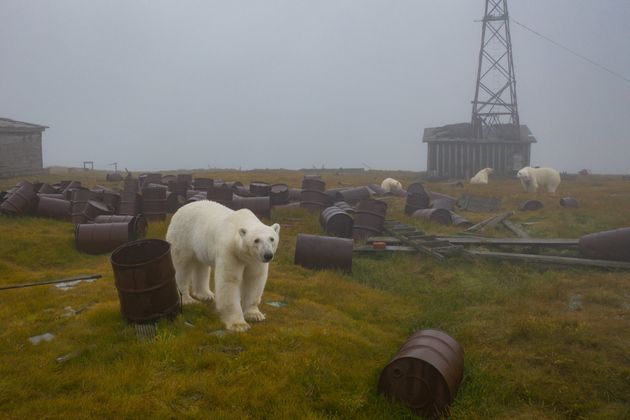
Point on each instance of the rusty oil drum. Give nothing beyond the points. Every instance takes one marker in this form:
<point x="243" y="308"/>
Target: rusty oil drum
<point x="145" y="280"/>
<point x="531" y="205"/>
<point x="369" y="218"/>
<point x="260" y="206"/>
<point x="416" y="201"/>
<point x="608" y="245"/>
<point x="324" y="252"/>
<point x="21" y="201"/>
<point x="441" y="216"/>
<point x="100" y="238"/>
<point x="138" y="224"/>
<point x="569" y="202"/>
<point x="425" y="373"/>
<point x="54" y="208"/>
<point x="336" y="222"/>
<point x="259" y="189"/>
<point x="279" y="194"/>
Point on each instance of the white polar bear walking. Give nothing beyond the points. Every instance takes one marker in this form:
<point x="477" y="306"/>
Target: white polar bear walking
<point x="532" y="178"/>
<point x="391" y="185"/>
<point x="482" y="176"/>
<point x="205" y="235"/>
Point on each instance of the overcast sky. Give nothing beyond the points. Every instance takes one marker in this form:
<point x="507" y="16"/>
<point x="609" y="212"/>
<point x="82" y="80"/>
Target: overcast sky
<point x="295" y="84"/>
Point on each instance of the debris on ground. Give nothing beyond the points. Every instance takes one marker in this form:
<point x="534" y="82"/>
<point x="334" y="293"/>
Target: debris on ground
<point x="35" y="340"/>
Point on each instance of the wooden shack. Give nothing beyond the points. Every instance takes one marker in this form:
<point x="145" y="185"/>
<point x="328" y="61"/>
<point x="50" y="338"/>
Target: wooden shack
<point x="454" y="153"/>
<point x="20" y="148"/>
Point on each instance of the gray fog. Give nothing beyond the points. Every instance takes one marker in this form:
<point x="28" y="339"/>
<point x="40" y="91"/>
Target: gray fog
<point x="157" y="84"/>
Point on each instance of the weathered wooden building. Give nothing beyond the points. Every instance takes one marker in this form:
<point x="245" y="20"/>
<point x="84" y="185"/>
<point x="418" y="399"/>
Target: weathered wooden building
<point x="454" y="152"/>
<point x="20" y="148"/>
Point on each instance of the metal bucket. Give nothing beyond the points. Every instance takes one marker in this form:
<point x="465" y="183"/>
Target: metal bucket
<point x="260" y="206"/>
<point x="145" y="280"/>
<point x="336" y="222"/>
<point x="21" y="201"/>
<point x="425" y="373"/>
<point x="279" y="194"/>
<point x="259" y="188"/>
<point x="569" y="202"/>
<point x="441" y="216"/>
<point x="352" y="195"/>
<point x="324" y="252"/>
<point x="99" y="238"/>
<point x="138" y="224"/>
<point x="53" y="208"/>
<point x="313" y="184"/>
<point x="607" y="245"/>
<point x="531" y="205"/>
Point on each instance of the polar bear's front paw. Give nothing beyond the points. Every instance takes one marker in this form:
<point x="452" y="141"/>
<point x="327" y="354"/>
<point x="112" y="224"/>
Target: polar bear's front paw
<point x="254" y="315"/>
<point x="187" y="300"/>
<point x="238" y="326"/>
<point x="203" y="296"/>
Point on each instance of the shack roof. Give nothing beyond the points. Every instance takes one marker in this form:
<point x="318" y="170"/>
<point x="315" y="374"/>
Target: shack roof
<point x="8" y="125"/>
<point x="462" y="132"/>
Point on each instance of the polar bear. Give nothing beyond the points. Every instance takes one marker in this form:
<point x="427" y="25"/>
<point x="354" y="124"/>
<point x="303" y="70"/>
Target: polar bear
<point x="390" y="185"/>
<point x="532" y="178"/>
<point x="206" y="235"/>
<point x="482" y="176"/>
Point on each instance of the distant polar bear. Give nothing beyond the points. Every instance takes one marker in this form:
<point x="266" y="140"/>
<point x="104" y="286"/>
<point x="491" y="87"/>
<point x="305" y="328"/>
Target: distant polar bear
<point x="532" y="178"/>
<point x="205" y="235"/>
<point x="482" y="176"/>
<point x="391" y="185"/>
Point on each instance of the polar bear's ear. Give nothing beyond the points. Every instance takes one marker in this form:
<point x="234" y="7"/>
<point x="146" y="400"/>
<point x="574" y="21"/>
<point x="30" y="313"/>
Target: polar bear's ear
<point x="242" y="232"/>
<point x="276" y="227"/>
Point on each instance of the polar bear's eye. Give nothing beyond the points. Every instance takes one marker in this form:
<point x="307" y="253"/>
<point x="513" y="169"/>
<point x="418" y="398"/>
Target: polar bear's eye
<point x="256" y="241"/>
<point x="271" y="239"/>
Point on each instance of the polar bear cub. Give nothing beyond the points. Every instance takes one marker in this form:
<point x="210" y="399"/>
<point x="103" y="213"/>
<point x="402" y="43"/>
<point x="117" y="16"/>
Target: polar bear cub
<point x="205" y="235"/>
<point x="390" y="185"/>
<point x="532" y="178"/>
<point x="482" y="176"/>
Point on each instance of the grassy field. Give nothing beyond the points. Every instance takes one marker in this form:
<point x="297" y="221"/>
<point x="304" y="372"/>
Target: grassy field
<point x="540" y="342"/>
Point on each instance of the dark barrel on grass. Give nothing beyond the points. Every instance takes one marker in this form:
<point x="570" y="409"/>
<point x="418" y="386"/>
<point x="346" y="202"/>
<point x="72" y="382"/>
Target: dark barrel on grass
<point x="569" y="202"/>
<point x="279" y="194"/>
<point x="20" y="201"/>
<point x="100" y="238"/>
<point x="336" y="222"/>
<point x="145" y="280"/>
<point x="531" y="205"/>
<point x="54" y="208"/>
<point x="416" y="201"/>
<point x="260" y="206"/>
<point x="369" y="218"/>
<point x="138" y="224"/>
<point x="425" y="373"/>
<point x="441" y="216"/>
<point x="259" y="188"/>
<point x="352" y="195"/>
<point x="607" y="245"/>
<point x="324" y="252"/>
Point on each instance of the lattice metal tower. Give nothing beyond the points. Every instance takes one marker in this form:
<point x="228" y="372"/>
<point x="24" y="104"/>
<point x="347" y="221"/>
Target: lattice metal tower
<point x="495" y="112"/>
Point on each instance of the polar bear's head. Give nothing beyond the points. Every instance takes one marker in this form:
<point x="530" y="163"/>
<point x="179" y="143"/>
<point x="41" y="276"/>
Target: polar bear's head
<point x="524" y="174"/>
<point x="259" y="242"/>
<point x="489" y="171"/>
<point x="397" y="186"/>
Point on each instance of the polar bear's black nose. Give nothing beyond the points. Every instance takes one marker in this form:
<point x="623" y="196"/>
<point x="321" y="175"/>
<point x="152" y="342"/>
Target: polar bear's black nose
<point x="268" y="256"/>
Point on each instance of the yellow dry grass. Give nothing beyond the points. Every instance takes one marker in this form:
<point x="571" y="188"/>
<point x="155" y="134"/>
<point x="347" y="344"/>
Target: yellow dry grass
<point x="530" y="353"/>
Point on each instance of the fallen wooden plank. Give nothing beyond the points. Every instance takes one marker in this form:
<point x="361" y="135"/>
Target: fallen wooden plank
<point x="515" y="229"/>
<point x="490" y="222"/>
<point x="549" y="259"/>
<point x="540" y="242"/>
<point x="389" y="248"/>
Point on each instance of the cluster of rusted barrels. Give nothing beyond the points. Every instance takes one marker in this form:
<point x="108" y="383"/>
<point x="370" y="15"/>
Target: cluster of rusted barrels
<point x="432" y="206"/>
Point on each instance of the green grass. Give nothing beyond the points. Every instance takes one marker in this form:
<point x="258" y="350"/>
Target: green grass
<point x="529" y="353"/>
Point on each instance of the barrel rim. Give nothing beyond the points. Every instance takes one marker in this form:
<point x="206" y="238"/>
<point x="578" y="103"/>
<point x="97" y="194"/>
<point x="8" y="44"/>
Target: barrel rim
<point x="139" y="242"/>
